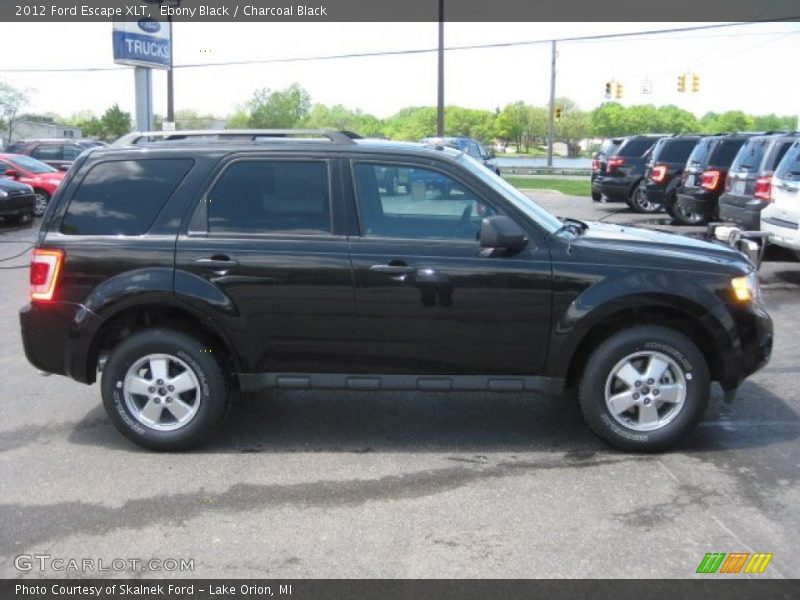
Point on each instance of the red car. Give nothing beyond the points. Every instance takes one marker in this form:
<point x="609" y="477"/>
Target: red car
<point x="42" y="178"/>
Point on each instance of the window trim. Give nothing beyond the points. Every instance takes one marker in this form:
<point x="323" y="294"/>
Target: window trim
<point x="198" y="225"/>
<point x="404" y="163"/>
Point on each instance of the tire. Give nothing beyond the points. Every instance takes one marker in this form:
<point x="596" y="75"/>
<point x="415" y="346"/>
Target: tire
<point x="650" y="424"/>
<point x="42" y="200"/>
<point x="597" y="196"/>
<point x="147" y="418"/>
<point x="687" y="217"/>
<point x="639" y="202"/>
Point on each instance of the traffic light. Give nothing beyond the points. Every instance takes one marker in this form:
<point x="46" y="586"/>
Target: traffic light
<point x="682" y="82"/>
<point x="618" y="93"/>
<point x="608" y="89"/>
<point x="558" y="113"/>
<point x="695" y="82"/>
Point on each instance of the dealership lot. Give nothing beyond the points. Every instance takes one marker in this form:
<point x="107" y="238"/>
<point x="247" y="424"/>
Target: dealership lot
<point x="343" y="484"/>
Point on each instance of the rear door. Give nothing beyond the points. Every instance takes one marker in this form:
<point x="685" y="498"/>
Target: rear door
<point x="428" y="301"/>
<point x="265" y="240"/>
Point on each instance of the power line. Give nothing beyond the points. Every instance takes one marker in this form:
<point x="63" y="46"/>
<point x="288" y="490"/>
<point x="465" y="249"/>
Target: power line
<point x="412" y="51"/>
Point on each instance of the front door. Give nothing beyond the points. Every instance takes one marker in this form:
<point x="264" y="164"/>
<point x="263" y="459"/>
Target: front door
<point x="428" y="301"/>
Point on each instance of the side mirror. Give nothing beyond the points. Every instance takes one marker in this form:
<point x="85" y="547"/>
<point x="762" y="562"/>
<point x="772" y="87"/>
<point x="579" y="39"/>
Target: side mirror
<point x="501" y="232"/>
<point x="11" y="173"/>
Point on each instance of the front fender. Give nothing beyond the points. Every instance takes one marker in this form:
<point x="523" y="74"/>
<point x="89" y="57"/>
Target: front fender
<point x="638" y="290"/>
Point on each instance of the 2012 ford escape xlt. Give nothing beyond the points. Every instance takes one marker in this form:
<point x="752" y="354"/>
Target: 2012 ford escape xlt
<point x="184" y="264"/>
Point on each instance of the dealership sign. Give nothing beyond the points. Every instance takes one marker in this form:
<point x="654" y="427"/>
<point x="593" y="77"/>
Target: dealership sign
<point x="143" y="43"/>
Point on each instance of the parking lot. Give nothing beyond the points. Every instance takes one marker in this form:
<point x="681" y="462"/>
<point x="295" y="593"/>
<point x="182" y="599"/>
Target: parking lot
<point x="349" y="484"/>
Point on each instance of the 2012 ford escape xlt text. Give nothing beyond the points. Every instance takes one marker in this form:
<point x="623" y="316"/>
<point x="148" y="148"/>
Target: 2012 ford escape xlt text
<point x="182" y="265"/>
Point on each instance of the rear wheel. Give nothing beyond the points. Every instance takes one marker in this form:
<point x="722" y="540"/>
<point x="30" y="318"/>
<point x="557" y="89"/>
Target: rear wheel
<point x="597" y="196"/>
<point x="42" y="199"/>
<point x="644" y="388"/>
<point x="164" y="390"/>
<point x="639" y="202"/>
<point x="687" y="216"/>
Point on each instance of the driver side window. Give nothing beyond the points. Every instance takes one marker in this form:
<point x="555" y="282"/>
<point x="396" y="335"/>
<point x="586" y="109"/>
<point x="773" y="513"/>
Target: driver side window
<point x="416" y="203"/>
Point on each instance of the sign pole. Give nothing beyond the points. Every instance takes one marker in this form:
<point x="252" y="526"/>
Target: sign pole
<point x="144" y="98"/>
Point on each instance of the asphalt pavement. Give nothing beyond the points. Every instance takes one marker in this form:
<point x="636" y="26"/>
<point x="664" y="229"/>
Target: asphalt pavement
<point x="351" y="484"/>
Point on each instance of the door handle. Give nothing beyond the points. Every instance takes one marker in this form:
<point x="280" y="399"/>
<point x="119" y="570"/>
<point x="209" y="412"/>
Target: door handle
<point x="217" y="263"/>
<point x="392" y="269"/>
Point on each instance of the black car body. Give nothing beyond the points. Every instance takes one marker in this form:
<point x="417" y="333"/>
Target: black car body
<point x="287" y="263"/>
<point x="599" y="161"/>
<point x="703" y="179"/>
<point x="747" y="186"/>
<point x="17" y="200"/>
<point x="665" y="168"/>
<point x="625" y="168"/>
<point x="58" y="153"/>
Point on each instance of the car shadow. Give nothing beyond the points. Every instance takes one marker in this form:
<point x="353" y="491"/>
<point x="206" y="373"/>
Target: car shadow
<point x="474" y="423"/>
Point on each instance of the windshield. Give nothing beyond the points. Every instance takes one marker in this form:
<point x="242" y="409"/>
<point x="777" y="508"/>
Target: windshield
<point x="517" y="198"/>
<point x="31" y="165"/>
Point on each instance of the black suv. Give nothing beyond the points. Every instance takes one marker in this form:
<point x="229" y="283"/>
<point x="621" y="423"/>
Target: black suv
<point x="58" y="153"/>
<point x="625" y="169"/>
<point x="747" y="187"/>
<point x="664" y="170"/>
<point x="703" y="179"/>
<point x="599" y="162"/>
<point x="182" y="268"/>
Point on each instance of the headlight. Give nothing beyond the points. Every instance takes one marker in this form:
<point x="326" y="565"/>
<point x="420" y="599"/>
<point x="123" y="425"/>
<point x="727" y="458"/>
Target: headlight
<point x="3" y="194"/>
<point x="746" y="289"/>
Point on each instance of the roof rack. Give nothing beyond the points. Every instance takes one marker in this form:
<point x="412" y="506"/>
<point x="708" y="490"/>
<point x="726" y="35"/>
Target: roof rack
<point x="337" y="137"/>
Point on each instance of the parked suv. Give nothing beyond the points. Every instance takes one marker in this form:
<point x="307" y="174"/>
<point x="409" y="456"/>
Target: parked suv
<point x="781" y="217"/>
<point x="664" y="170"/>
<point x="703" y="178"/>
<point x="625" y="168"/>
<point x="469" y="146"/>
<point x="184" y="268"/>
<point x="58" y="153"/>
<point x="747" y="187"/>
<point x="599" y="162"/>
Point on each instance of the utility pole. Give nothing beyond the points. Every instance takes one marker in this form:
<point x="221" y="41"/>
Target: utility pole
<point x="552" y="124"/>
<point x="170" y="89"/>
<point x="440" y="95"/>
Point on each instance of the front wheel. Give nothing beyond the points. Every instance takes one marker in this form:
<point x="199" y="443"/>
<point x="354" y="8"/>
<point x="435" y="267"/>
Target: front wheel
<point x="644" y="388"/>
<point x="687" y="216"/>
<point x="164" y="390"/>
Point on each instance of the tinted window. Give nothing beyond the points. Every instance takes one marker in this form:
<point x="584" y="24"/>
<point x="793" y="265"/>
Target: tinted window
<point x="750" y="155"/>
<point x="783" y="147"/>
<point x="26" y="163"/>
<point x="71" y="152"/>
<point x="47" y="152"/>
<point x="609" y="147"/>
<point x="636" y="146"/>
<point x="790" y="165"/>
<point x="725" y="152"/>
<point x="701" y="151"/>
<point x="414" y="203"/>
<point x="674" y="151"/>
<point x="259" y="196"/>
<point x="123" y="197"/>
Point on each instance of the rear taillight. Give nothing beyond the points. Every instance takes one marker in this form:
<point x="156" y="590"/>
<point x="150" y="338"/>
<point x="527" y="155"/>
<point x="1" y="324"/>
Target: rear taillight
<point x="45" y="268"/>
<point x="763" y="188"/>
<point x="595" y="165"/>
<point x="613" y="163"/>
<point x="658" y="173"/>
<point x="710" y="179"/>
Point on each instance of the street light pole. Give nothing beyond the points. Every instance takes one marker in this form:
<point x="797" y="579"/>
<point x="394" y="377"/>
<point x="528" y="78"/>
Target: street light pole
<point x="552" y="123"/>
<point x="440" y="95"/>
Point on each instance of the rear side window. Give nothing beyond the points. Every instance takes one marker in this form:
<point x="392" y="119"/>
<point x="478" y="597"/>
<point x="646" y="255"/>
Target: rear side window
<point x="636" y="147"/>
<point x="123" y="197"/>
<point x="777" y="157"/>
<point x="261" y="196"/>
<point x="789" y="167"/>
<point x="750" y="155"/>
<point x="725" y="152"/>
<point x="701" y="151"/>
<point x="674" y="151"/>
<point x="609" y="147"/>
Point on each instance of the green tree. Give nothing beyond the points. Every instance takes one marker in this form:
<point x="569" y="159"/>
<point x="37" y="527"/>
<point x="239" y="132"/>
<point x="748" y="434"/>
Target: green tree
<point x="513" y="124"/>
<point x="115" y="123"/>
<point x="608" y="120"/>
<point x="11" y="101"/>
<point x="412" y="123"/>
<point x="341" y="118"/>
<point x="280" y="109"/>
